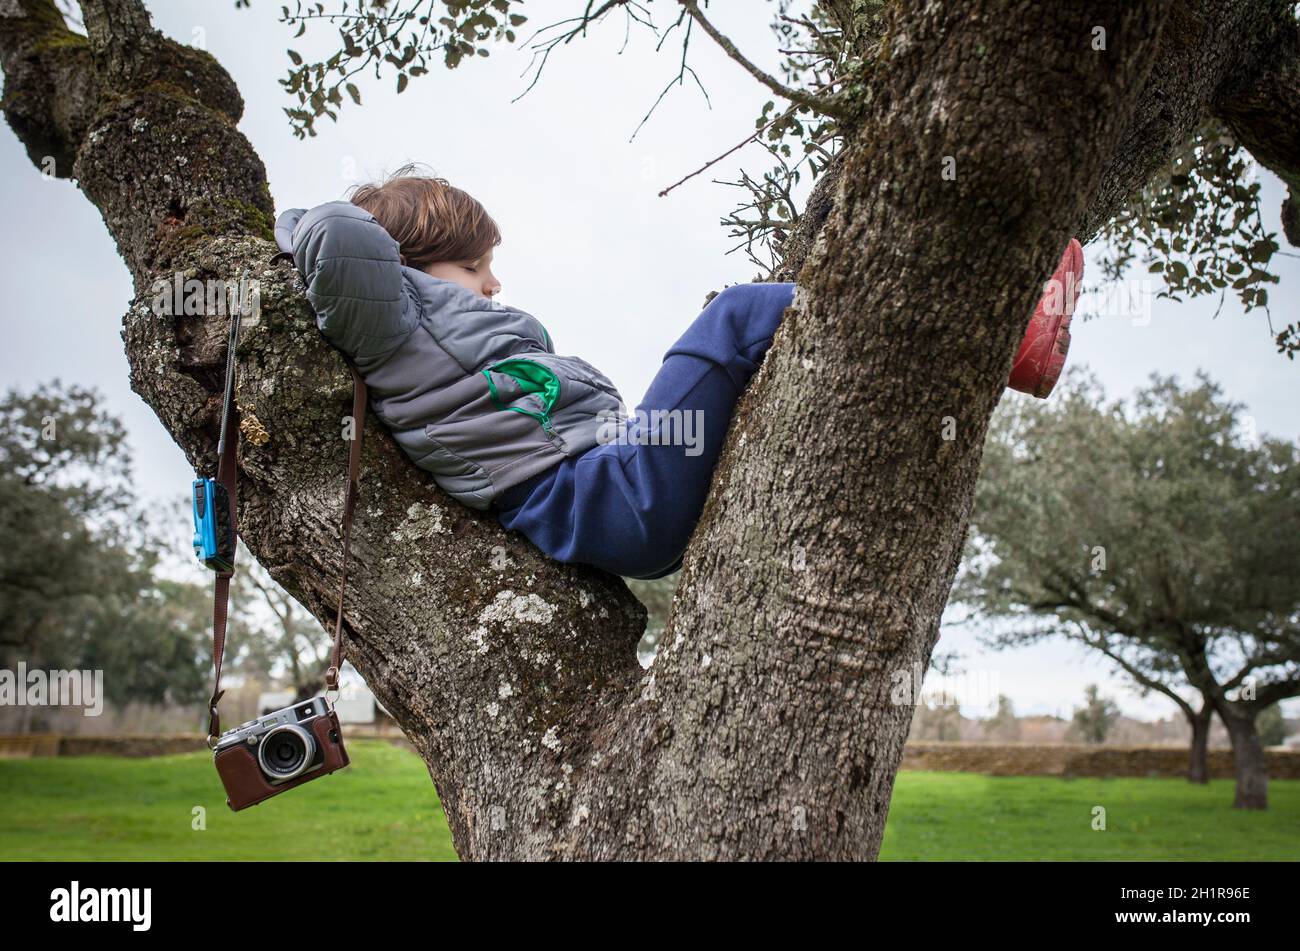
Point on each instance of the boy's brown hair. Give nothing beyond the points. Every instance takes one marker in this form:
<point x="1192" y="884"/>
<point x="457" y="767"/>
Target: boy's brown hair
<point x="431" y="220"/>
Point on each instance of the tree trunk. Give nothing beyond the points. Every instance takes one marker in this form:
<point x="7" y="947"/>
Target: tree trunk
<point x="765" y="728"/>
<point x="1248" y="759"/>
<point x="1198" y="769"/>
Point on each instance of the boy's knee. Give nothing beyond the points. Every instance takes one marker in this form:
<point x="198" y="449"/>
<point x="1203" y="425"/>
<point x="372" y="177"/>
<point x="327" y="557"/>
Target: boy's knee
<point x="738" y="322"/>
<point x="770" y="295"/>
<point x="753" y="311"/>
<point x="740" y="299"/>
<point x="730" y="295"/>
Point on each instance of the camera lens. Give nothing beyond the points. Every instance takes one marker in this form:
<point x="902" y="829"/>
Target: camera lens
<point x="286" y="752"/>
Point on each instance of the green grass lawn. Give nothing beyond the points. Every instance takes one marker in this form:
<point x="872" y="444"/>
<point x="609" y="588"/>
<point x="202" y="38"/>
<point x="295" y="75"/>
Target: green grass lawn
<point x="967" y="816"/>
<point x="384" y="807"/>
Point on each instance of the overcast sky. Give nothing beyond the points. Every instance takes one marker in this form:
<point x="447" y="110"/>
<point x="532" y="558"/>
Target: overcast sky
<point x="614" y="272"/>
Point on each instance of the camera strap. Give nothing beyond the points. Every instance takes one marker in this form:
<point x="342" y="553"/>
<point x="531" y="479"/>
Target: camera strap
<point x="349" y="505"/>
<point x="227" y="475"/>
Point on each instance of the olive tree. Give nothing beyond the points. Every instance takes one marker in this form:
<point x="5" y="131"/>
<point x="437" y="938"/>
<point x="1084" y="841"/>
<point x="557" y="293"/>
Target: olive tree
<point x="1165" y="535"/>
<point x="825" y="554"/>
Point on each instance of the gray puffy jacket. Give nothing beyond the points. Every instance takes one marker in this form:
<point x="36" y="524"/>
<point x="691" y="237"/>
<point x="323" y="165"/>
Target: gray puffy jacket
<point x="472" y="390"/>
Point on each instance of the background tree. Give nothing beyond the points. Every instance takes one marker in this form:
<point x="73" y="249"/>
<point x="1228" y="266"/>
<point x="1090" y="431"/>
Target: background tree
<point x="276" y="637"/>
<point x="1092" y="721"/>
<point x="1272" y="726"/>
<point x="62" y="501"/>
<point x="936" y="720"/>
<point x="657" y="596"/>
<point x="516" y="679"/>
<point x="79" y="580"/>
<point x="1002" y="726"/>
<point x="150" y="639"/>
<point x="1164" y="535"/>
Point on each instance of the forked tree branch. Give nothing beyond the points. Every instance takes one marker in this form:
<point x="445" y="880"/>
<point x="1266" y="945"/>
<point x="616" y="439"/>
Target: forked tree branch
<point x="516" y="678"/>
<point x="481" y="647"/>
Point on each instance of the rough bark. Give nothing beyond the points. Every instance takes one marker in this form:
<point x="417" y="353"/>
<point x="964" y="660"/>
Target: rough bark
<point x="841" y="501"/>
<point x="1263" y="112"/>
<point x="1248" y="761"/>
<point x="1238" y="715"/>
<point x="765" y="729"/>
<point x="1238" y="61"/>
<point x="481" y="648"/>
<point x="1198" y="769"/>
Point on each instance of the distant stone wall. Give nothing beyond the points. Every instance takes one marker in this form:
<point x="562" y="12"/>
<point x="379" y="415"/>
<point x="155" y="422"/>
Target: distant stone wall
<point x="143" y="744"/>
<point x="1004" y="759"/>
<point x="28" y="744"/>
<point x="1013" y="759"/>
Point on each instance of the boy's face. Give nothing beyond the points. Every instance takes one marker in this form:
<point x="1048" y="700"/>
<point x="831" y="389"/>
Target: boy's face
<point x="476" y="276"/>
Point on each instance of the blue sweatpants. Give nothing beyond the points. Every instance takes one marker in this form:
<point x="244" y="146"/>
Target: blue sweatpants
<point x="629" y="507"/>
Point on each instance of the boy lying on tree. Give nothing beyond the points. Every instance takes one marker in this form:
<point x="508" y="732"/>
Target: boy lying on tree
<point x="401" y="281"/>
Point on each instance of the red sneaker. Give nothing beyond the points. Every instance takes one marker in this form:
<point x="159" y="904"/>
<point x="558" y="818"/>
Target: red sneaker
<point x="1042" y="352"/>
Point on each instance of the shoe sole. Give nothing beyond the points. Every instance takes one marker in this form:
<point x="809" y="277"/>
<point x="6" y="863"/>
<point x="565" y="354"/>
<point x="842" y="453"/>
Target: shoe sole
<point x="1056" y="351"/>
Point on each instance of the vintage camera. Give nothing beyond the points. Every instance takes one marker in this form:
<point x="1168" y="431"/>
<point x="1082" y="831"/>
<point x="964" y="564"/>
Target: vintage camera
<point x="278" y="751"/>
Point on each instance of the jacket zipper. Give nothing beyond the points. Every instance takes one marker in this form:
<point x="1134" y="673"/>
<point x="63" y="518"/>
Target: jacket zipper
<point x="551" y="434"/>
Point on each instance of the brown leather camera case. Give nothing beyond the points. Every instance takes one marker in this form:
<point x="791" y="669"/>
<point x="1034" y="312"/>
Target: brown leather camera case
<point x="243" y="779"/>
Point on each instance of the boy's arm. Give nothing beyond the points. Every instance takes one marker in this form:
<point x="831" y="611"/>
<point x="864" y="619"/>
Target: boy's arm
<point x="353" y="271"/>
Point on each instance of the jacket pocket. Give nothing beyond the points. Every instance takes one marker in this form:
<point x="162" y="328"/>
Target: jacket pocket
<point x="528" y="386"/>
